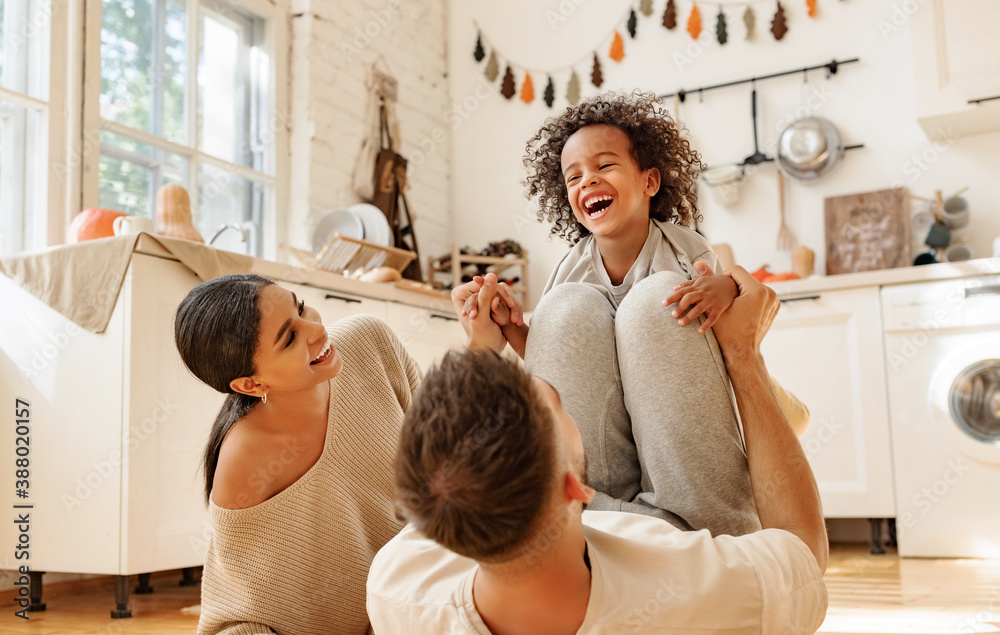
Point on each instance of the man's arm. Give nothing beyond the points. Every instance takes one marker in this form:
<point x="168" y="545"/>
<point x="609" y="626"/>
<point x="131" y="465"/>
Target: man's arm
<point x="784" y="488"/>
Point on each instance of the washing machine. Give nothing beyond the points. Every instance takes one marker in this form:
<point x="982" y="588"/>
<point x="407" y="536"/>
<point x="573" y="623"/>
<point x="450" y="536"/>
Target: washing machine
<point x="942" y="343"/>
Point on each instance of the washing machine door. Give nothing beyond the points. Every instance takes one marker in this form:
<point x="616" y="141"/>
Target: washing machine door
<point x="974" y="401"/>
<point x="965" y="396"/>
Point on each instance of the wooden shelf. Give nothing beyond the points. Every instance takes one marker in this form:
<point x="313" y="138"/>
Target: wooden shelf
<point x="447" y="264"/>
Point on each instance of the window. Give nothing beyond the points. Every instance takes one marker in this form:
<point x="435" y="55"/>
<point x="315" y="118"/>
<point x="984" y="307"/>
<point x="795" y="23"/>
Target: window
<point x="187" y="96"/>
<point x="24" y="108"/>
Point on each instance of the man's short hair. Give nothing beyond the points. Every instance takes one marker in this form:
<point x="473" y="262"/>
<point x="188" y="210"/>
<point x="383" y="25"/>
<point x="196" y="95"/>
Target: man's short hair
<point x="477" y="457"/>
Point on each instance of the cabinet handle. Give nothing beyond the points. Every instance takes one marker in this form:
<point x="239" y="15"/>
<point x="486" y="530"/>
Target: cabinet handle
<point x="449" y="318"/>
<point x="805" y="297"/>
<point x="982" y="99"/>
<point x="344" y="298"/>
<point x="993" y="289"/>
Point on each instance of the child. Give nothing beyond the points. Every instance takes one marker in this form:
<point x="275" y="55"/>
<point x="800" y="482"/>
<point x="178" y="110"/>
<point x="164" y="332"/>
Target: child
<point x="659" y="423"/>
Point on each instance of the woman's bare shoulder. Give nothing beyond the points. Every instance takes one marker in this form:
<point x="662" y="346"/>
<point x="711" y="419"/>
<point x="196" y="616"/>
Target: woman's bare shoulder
<point x="237" y="484"/>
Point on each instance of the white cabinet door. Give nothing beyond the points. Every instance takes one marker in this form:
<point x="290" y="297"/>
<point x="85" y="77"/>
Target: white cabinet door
<point x="956" y="56"/>
<point x="427" y="334"/>
<point x="335" y="305"/>
<point x="828" y="350"/>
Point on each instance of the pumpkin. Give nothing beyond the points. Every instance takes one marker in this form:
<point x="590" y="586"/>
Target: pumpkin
<point x="93" y="223"/>
<point x="173" y="214"/>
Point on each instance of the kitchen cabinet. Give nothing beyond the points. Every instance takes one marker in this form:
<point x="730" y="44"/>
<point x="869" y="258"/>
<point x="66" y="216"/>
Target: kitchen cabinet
<point x="956" y="57"/>
<point x="827" y="349"/>
<point x="118" y="423"/>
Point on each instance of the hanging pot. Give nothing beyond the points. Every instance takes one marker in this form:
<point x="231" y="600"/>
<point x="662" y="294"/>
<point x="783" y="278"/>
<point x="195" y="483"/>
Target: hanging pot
<point x="808" y="149"/>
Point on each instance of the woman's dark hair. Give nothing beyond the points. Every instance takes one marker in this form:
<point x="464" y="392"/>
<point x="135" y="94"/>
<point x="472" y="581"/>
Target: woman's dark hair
<point x="216" y="330"/>
<point x="656" y="142"/>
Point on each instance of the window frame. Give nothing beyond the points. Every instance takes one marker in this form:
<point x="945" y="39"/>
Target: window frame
<point x="46" y="149"/>
<point x="274" y="174"/>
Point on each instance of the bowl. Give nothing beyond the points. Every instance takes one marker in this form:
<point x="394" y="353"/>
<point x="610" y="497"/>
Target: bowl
<point x="809" y="148"/>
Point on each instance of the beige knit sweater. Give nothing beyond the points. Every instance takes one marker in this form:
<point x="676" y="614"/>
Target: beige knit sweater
<point x="297" y="563"/>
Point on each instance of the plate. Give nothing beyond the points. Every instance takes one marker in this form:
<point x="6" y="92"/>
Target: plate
<point x="339" y="221"/>
<point x="376" y="225"/>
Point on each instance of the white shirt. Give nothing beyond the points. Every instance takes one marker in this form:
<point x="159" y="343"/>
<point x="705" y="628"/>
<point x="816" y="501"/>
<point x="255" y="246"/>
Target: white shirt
<point x="646" y="577"/>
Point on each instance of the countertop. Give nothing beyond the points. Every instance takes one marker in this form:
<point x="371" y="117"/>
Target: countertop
<point x="887" y="277"/>
<point x="387" y="292"/>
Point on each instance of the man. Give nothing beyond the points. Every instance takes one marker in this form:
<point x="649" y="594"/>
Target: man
<point x="490" y="473"/>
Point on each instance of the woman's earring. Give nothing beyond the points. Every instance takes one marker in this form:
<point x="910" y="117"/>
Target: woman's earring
<point x="264" y="398"/>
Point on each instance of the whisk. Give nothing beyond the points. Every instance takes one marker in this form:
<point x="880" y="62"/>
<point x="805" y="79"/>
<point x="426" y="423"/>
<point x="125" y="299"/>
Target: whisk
<point x="786" y="239"/>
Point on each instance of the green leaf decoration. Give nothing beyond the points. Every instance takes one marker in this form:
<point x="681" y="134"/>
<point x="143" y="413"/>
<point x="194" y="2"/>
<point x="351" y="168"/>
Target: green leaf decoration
<point x="646" y="7"/>
<point x="550" y="93"/>
<point x="573" y="89"/>
<point x="749" y="20"/>
<point x="596" y="77"/>
<point x="632" y="22"/>
<point x="507" y="89"/>
<point x="479" y="53"/>
<point x="720" y="27"/>
<point x="670" y="15"/>
<point x="492" y="67"/>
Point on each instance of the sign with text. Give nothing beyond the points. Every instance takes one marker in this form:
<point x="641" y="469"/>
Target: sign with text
<point x="867" y="231"/>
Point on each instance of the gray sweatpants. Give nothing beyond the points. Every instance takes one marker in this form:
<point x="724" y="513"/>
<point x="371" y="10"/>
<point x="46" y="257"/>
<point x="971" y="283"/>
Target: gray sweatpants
<point x="652" y="402"/>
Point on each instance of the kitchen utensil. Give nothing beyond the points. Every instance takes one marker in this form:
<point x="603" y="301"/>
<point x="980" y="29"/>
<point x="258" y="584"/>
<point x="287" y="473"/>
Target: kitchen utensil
<point x="340" y="221"/>
<point x="724" y="183"/>
<point x="926" y="258"/>
<point x="956" y="212"/>
<point x="132" y="225"/>
<point x="939" y="236"/>
<point x="809" y="148"/>
<point x="786" y="239"/>
<point x="958" y="253"/>
<point x="376" y="225"/>
<point x="757" y="157"/>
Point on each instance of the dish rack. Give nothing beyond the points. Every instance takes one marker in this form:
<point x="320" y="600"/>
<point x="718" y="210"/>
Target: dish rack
<point x="342" y="254"/>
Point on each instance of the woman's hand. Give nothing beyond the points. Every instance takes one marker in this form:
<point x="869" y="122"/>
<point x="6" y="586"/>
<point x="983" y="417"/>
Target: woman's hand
<point x="708" y="295"/>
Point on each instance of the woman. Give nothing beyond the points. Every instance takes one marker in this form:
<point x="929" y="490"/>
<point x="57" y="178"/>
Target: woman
<point x="298" y="467"/>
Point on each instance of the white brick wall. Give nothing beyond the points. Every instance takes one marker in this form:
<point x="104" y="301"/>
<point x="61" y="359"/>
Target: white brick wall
<point x="334" y="42"/>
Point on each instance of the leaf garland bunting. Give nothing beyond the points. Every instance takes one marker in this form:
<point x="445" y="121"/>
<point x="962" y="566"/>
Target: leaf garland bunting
<point x="646" y="7"/>
<point x="479" y="53"/>
<point x="617" y="52"/>
<point x="632" y="23"/>
<point x="811" y="4"/>
<point x="528" y="89"/>
<point x="549" y="96"/>
<point x="596" y="77"/>
<point x="778" y="25"/>
<point x="694" y="22"/>
<point x="721" y="33"/>
<point x="492" y="67"/>
<point x="749" y="20"/>
<point x="670" y="16"/>
<point x="573" y="89"/>
<point x="507" y="89"/>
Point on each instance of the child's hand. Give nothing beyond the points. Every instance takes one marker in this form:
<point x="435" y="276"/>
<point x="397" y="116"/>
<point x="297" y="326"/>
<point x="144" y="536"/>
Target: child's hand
<point x="708" y="294"/>
<point x="504" y="309"/>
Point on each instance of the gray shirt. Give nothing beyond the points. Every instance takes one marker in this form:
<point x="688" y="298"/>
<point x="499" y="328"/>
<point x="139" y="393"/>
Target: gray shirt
<point x="668" y="247"/>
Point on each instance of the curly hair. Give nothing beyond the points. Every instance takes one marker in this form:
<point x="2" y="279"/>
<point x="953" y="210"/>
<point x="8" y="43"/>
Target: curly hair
<point x="656" y="142"/>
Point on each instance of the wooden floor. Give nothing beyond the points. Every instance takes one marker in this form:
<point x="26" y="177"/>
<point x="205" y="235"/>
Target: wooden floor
<point x="879" y="595"/>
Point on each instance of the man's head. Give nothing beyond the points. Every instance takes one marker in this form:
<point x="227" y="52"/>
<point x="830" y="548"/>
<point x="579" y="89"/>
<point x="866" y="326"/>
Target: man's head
<point x="489" y="462"/>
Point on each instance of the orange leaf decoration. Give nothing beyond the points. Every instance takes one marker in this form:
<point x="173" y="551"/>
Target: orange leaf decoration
<point x="617" y="52"/>
<point x="527" y="89"/>
<point x="694" y="23"/>
<point x="812" y="8"/>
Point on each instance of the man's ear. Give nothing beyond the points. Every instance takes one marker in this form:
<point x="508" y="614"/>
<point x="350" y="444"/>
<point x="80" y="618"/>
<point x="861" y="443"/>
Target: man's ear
<point x="652" y="181"/>
<point x="575" y="490"/>
<point x="248" y="386"/>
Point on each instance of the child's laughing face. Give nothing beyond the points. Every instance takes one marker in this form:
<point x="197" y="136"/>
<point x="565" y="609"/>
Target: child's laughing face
<point x="607" y="191"/>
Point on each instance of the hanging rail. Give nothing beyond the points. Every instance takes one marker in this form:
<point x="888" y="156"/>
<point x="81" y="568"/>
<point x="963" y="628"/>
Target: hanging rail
<point x="831" y="67"/>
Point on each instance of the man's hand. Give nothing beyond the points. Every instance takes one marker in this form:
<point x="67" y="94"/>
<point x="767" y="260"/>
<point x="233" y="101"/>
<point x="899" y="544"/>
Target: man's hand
<point x="742" y="327"/>
<point x="707" y="294"/>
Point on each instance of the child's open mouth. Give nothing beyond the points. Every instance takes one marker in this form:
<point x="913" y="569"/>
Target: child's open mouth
<point x="596" y="206"/>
